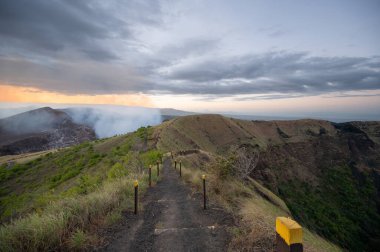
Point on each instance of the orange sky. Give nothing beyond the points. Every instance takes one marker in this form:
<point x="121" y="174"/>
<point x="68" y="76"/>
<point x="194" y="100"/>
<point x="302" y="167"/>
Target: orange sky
<point x="10" y="93"/>
<point x="327" y="104"/>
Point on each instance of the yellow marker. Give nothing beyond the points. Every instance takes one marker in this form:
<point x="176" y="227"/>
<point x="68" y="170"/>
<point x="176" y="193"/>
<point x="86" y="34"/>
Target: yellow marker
<point x="136" y="183"/>
<point x="289" y="230"/>
<point x="203" y="177"/>
<point x="150" y="166"/>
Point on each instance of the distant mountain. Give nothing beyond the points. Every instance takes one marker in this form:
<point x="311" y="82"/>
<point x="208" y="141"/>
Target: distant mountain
<point x="40" y="129"/>
<point x="169" y="113"/>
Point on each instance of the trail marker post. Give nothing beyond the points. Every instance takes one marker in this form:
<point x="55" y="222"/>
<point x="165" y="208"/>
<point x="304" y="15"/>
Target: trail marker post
<point x="150" y="175"/>
<point x="158" y="169"/>
<point x="204" y="191"/>
<point x="180" y="168"/>
<point x="175" y="164"/>
<point x="136" y="185"/>
<point x="288" y="235"/>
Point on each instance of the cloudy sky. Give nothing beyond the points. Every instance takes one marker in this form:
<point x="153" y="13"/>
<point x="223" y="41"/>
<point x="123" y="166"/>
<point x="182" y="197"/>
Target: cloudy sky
<point x="290" y="57"/>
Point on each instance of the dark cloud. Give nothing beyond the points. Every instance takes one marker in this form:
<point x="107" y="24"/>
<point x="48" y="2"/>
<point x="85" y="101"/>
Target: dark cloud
<point x="47" y="27"/>
<point x="275" y="72"/>
<point x="79" y="77"/>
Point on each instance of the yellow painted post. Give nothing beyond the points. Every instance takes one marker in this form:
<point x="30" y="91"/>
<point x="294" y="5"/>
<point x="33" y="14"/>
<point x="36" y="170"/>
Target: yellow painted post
<point x="136" y="185"/>
<point x="288" y="235"/>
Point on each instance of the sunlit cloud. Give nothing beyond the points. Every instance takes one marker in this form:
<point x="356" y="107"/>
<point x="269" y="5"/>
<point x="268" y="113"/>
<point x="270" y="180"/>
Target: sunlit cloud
<point x="10" y="93"/>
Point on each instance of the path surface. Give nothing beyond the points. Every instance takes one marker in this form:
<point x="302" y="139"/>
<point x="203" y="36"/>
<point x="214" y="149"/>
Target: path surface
<point x="173" y="220"/>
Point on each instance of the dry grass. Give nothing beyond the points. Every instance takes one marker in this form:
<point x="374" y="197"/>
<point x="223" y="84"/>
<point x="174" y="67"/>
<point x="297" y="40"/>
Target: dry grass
<point x="254" y="207"/>
<point x="57" y="227"/>
<point x="23" y="158"/>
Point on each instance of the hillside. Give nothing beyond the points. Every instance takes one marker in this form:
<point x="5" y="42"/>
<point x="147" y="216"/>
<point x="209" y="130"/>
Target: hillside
<point x="327" y="173"/>
<point x="40" y="129"/>
<point x="323" y="174"/>
<point x="60" y="200"/>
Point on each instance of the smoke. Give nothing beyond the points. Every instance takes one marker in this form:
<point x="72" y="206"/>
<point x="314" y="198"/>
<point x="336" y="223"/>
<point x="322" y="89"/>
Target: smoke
<point x="106" y="120"/>
<point x="111" y="120"/>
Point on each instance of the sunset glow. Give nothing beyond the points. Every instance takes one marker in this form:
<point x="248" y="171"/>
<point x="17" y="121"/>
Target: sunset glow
<point x="10" y="93"/>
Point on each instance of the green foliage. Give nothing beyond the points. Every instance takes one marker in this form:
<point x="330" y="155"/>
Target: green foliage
<point x="224" y="167"/>
<point x="78" y="239"/>
<point x="150" y="157"/>
<point x="341" y="208"/>
<point x="10" y="171"/>
<point x="117" y="171"/>
<point x="142" y="133"/>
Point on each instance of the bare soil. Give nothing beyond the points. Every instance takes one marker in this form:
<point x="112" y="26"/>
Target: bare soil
<point x="173" y="219"/>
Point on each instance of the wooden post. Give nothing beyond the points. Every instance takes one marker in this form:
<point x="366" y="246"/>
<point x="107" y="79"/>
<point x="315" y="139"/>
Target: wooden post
<point x="175" y="164"/>
<point x="136" y="185"/>
<point x="158" y="169"/>
<point x="150" y="175"/>
<point x="204" y="191"/>
<point x="180" y="168"/>
<point x="288" y="235"/>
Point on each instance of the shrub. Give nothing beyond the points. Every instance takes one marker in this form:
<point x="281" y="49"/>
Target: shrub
<point x="78" y="239"/>
<point x="117" y="171"/>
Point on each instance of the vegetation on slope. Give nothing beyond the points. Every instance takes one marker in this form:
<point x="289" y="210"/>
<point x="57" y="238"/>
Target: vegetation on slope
<point x="326" y="173"/>
<point x="57" y="200"/>
<point x="340" y="207"/>
<point x="253" y="206"/>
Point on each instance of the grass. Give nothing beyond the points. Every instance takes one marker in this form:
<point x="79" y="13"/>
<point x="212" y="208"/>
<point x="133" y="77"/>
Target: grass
<point x="59" y="222"/>
<point x="254" y="207"/>
<point x="56" y="201"/>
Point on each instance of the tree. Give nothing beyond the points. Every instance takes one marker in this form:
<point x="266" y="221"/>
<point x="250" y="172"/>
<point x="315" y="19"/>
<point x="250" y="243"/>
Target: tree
<point x="246" y="160"/>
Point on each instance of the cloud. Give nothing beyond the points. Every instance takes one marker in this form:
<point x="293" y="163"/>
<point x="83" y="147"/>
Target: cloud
<point x="83" y="27"/>
<point x="122" y="47"/>
<point x="275" y="72"/>
<point x="78" y="77"/>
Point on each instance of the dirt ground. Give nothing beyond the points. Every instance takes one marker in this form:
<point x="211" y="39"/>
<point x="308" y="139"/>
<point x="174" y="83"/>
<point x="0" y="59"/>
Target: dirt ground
<point x="173" y="219"/>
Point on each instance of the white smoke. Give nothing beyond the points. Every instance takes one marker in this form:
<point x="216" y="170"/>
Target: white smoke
<point x="106" y="120"/>
<point x="111" y="120"/>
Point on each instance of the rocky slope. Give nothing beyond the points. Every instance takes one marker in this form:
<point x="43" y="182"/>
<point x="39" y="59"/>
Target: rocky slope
<point x="40" y="129"/>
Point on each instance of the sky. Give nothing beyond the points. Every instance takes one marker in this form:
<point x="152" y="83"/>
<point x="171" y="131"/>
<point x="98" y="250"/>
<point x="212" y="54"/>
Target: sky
<point x="284" y="58"/>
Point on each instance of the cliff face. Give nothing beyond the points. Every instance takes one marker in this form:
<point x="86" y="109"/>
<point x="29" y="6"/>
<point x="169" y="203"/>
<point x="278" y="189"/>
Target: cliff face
<point x="40" y="129"/>
<point x="327" y="173"/>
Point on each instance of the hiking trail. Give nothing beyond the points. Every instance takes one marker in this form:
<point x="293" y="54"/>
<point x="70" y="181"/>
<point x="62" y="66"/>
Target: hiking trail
<point x="172" y="219"/>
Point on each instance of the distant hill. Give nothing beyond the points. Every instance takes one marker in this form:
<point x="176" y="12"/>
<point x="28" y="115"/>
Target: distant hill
<point x="40" y="129"/>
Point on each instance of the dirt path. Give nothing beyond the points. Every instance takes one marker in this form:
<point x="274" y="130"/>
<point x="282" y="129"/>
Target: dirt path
<point x="173" y="220"/>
